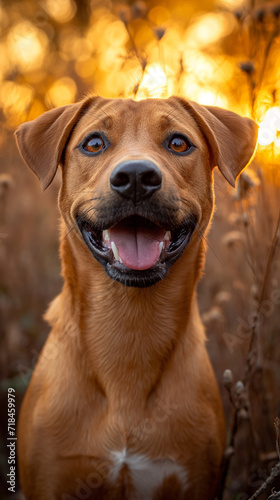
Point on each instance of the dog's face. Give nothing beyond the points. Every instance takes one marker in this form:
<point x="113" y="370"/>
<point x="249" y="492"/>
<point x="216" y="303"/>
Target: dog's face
<point x="143" y="184"/>
<point x="137" y="176"/>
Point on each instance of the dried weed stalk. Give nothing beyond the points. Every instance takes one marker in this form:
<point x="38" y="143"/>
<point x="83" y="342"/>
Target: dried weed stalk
<point x="259" y="28"/>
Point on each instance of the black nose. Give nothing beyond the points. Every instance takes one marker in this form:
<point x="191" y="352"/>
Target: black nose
<point x="136" y="179"/>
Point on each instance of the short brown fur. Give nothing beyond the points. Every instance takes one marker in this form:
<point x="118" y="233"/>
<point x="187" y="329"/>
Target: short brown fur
<point x="126" y="367"/>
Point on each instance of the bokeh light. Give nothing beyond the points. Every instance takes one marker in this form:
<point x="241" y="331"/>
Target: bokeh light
<point x="154" y="83"/>
<point x="209" y="28"/>
<point x="52" y="53"/>
<point x="269" y="127"/>
<point x="61" y="10"/>
<point x="232" y="4"/>
<point x="15" y="99"/>
<point x="27" y="46"/>
<point x="62" y="92"/>
<point x="217" y="52"/>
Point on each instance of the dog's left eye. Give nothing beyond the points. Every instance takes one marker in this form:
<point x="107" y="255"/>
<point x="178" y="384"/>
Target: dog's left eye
<point x="94" y="144"/>
<point x="179" y="144"/>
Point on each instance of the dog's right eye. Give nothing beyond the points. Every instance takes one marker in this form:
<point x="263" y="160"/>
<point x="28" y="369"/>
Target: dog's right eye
<point x="94" y="144"/>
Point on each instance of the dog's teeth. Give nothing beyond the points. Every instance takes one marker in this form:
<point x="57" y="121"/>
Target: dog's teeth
<point x="115" y="251"/>
<point x="160" y="247"/>
<point x="167" y="236"/>
<point x="106" y="236"/>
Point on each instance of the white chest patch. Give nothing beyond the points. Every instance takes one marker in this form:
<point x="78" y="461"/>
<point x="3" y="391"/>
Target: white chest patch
<point x="147" y="475"/>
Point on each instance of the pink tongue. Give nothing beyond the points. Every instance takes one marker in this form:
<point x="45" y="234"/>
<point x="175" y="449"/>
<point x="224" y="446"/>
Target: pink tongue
<point x="138" y="244"/>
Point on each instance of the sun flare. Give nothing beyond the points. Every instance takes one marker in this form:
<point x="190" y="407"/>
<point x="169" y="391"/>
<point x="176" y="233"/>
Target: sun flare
<point x="269" y="128"/>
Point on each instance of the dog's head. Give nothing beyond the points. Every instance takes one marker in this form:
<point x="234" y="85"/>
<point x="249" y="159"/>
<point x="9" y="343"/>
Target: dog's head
<point x="137" y="176"/>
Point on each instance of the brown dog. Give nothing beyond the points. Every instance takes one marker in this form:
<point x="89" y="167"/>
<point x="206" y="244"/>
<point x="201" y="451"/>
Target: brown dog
<point x="123" y="403"/>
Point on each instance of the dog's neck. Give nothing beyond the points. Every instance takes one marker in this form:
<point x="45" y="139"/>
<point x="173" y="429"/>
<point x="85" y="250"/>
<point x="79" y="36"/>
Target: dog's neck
<point x="129" y="334"/>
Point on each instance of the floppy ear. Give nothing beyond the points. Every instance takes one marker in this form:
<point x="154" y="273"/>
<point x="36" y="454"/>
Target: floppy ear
<point x="41" y="142"/>
<point x="232" y="138"/>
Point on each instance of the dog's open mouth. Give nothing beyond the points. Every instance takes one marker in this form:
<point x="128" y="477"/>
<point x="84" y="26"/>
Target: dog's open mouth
<point x="136" y="251"/>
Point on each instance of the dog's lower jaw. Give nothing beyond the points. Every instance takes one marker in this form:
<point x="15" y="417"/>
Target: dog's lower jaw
<point x="140" y="279"/>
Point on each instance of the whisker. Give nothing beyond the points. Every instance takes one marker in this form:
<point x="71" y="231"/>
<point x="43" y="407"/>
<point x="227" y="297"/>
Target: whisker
<point x="89" y="210"/>
<point x="186" y="202"/>
<point x="80" y="217"/>
<point x="69" y="231"/>
<point x="171" y="113"/>
<point x="89" y="201"/>
<point x="203" y="237"/>
<point x="93" y="113"/>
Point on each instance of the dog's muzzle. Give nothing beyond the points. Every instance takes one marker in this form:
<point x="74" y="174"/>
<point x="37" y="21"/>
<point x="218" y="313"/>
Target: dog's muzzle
<point x="136" y="244"/>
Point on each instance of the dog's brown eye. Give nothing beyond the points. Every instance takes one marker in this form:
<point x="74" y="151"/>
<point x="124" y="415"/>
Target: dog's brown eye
<point x="94" y="144"/>
<point x="179" y="145"/>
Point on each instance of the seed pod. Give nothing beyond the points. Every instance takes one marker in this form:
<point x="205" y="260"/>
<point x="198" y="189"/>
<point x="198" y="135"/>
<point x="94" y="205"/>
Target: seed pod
<point x="247" y="66"/>
<point x="276" y="10"/>
<point x="239" y="387"/>
<point x="239" y="14"/>
<point x="228" y="379"/>
<point x="159" y="32"/>
<point x="243" y="414"/>
<point x="229" y="452"/>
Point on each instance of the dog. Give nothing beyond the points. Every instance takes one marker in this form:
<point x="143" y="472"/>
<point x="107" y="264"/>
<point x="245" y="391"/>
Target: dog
<point x="123" y="402"/>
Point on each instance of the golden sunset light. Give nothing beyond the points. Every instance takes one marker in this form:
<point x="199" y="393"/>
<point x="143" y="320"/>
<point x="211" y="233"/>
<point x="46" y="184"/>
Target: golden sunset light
<point x="156" y="225"/>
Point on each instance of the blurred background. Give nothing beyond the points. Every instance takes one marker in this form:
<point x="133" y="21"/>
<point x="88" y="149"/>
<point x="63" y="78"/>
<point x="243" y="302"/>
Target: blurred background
<point x="224" y="53"/>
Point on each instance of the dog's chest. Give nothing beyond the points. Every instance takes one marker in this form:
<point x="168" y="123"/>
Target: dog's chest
<point x="145" y="477"/>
